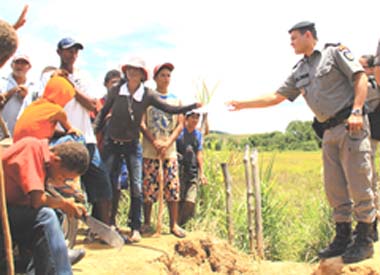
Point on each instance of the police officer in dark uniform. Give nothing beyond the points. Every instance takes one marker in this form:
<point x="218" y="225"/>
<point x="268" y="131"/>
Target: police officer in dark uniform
<point x="335" y="87"/>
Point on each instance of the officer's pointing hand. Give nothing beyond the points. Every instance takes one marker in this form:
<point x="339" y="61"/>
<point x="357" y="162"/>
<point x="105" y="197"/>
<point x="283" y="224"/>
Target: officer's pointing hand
<point x="233" y="105"/>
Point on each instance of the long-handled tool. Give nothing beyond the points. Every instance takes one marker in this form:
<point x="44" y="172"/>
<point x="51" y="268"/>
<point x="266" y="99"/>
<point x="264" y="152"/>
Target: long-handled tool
<point x="160" y="198"/>
<point x="4" y="127"/>
<point x="5" y="223"/>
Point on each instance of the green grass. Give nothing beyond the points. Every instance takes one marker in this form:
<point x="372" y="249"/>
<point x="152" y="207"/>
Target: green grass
<point x="296" y="216"/>
<point x="295" y="211"/>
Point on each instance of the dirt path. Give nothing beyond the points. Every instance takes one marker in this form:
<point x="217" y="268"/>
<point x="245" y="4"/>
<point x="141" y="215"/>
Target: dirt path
<point x="199" y="254"/>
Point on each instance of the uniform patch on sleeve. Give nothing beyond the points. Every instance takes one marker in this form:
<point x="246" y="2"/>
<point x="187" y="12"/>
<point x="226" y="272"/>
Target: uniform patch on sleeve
<point x="346" y="52"/>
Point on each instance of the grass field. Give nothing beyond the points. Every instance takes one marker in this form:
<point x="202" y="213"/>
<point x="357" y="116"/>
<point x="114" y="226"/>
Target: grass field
<point x="295" y="211"/>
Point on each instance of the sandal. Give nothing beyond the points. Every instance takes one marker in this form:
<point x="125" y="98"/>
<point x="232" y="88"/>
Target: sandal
<point x="179" y="233"/>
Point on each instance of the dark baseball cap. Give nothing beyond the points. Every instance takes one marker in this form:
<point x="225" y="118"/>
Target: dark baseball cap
<point x="302" y="25"/>
<point x="69" y="42"/>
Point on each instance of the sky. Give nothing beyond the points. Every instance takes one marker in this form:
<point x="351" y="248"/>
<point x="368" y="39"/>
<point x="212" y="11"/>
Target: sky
<point x="241" y="48"/>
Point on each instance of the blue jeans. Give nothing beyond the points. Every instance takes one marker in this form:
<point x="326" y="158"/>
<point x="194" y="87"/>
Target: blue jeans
<point x="113" y="153"/>
<point x="39" y="231"/>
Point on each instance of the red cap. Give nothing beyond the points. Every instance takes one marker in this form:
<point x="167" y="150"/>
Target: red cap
<point x="159" y="67"/>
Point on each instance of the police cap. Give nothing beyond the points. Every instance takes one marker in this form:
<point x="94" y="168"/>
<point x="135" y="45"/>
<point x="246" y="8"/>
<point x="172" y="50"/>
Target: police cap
<point x="302" y="25"/>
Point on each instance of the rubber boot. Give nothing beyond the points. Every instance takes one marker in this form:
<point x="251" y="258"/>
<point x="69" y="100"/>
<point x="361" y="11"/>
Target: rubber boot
<point x="362" y="248"/>
<point x="338" y="246"/>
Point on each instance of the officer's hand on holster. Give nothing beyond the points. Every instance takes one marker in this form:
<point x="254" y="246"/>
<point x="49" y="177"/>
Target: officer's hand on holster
<point x="354" y="123"/>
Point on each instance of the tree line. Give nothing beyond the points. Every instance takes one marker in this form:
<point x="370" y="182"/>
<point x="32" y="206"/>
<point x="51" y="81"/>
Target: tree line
<point x="299" y="135"/>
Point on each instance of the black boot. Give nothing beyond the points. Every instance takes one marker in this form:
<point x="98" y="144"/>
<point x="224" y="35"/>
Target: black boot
<point x="362" y="248"/>
<point x="339" y="244"/>
<point x="375" y="235"/>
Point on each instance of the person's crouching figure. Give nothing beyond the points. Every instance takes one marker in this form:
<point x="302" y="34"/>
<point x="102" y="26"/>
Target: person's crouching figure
<point x="28" y="164"/>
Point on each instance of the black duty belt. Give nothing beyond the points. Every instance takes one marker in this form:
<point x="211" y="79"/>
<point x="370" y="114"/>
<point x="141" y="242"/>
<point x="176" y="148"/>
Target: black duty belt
<point x="337" y="119"/>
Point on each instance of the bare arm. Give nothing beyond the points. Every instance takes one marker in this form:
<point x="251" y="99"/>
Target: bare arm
<point x="21" y="90"/>
<point x="354" y="122"/>
<point x="200" y="167"/>
<point x="21" y="19"/>
<point x="39" y="199"/>
<point x="259" y="102"/>
<point x="173" y="137"/>
<point x="158" y="144"/>
<point x="85" y="101"/>
<point x="177" y="130"/>
<point x="7" y="95"/>
<point x="61" y="118"/>
<point x="144" y="129"/>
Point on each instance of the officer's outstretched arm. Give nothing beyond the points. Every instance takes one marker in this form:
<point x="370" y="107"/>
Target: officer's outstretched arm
<point x="258" y="102"/>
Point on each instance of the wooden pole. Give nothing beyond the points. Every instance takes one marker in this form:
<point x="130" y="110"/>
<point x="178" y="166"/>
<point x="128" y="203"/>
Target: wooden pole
<point x="227" y="181"/>
<point x="250" y="207"/>
<point x="160" y="198"/>
<point x="4" y="128"/>
<point x="258" y="211"/>
<point x="5" y="223"/>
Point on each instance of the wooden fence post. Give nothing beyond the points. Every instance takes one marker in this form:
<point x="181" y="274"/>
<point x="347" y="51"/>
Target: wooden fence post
<point x="5" y="223"/>
<point x="250" y="207"/>
<point x="258" y="211"/>
<point x="227" y="181"/>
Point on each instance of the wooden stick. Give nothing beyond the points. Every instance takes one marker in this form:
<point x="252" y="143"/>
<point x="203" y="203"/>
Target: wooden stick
<point x="5" y="223"/>
<point x="4" y="128"/>
<point x="227" y="181"/>
<point x="160" y="198"/>
<point x="258" y="211"/>
<point x="250" y="207"/>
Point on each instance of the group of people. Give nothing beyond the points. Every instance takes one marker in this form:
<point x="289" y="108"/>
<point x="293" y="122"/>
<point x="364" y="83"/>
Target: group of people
<point x="104" y="142"/>
<point x="60" y="133"/>
<point x="335" y="86"/>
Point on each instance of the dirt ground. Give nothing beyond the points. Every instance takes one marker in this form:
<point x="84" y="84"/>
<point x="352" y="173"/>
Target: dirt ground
<point x="200" y="254"/>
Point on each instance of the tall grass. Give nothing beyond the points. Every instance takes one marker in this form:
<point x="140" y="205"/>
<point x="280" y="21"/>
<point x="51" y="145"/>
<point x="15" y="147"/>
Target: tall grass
<point x="296" y="217"/>
<point x="295" y="213"/>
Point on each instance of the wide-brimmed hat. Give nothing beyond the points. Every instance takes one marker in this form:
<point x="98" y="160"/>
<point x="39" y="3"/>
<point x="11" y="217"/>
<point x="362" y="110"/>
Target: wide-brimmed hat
<point x="136" y="62"/>
<point x="159" y="67"/>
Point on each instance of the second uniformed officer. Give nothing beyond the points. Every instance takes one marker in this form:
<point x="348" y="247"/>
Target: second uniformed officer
<point x="335" y="87"/>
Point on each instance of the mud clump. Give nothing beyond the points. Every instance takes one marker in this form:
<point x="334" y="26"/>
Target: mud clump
<point x="212" y="256"/>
